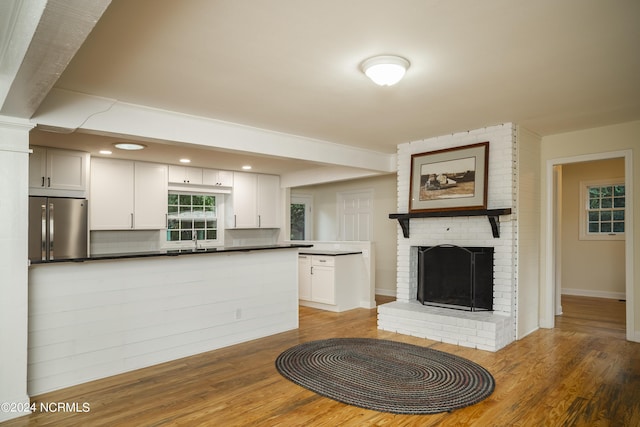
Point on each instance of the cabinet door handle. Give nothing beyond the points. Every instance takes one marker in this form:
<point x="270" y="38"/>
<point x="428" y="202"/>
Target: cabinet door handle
<point x="42" y="182"/>
<point x="259" y="221"/>
<point x="49" y="182"/>
<point x="311" y="269"/>
<point x="322" y="260"/>
<point x="131" y="219"/>
<point x="235" y="224"/>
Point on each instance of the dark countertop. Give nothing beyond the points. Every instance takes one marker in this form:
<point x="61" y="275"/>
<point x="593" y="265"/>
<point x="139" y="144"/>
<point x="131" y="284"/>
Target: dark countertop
<point x="327" y="252"/>
<point x="174" y="252"/>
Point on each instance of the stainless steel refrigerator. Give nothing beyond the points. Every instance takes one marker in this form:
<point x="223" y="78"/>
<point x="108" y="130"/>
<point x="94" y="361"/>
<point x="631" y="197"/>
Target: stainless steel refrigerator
<point x="57" y="228"/>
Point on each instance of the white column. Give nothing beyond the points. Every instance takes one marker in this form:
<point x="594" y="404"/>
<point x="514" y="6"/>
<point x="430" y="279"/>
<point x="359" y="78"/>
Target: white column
<point x="14" y="192"/>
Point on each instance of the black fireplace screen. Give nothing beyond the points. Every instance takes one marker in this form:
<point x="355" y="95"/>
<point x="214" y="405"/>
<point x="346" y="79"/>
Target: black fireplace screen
<point x="456" y="277"/>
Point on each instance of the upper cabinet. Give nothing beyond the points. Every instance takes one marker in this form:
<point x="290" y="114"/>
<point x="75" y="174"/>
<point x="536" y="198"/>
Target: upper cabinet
<point x="255" y="201"/>
<point x="197" y="176"/>
<point x="55" y="172"/>
<point x="185" y="175"/>
<point x="127" y="195"/>
<point x="217" y="178"/>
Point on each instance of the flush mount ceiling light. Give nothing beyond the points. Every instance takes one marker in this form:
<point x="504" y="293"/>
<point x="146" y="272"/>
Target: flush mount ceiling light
<point x="385" y="70"/>
<point x="185" y="161"/>
<point x="129" y="146"/>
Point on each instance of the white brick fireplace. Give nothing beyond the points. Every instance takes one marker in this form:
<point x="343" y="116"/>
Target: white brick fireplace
<point x="483" y="330"/>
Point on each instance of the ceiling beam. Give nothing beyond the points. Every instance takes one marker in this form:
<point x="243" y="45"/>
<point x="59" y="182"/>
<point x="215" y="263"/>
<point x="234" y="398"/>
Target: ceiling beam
<point x="34" y="51"/>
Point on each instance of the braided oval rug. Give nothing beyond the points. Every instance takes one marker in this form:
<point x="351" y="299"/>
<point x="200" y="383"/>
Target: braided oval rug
<point x="386" y="376"/>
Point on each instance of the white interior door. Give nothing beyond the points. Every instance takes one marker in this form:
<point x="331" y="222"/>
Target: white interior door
<point x="355" y="214"/>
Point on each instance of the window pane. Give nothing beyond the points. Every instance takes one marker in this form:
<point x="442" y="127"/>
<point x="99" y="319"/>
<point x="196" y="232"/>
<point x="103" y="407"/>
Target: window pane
<point x="191" y="215"/>
<point x="605" y="216"/>
<point x="618" y="190"/>
<point x="606" y="192"/>
<point x="594" y="204"/>
<point x="593" y="227"/>
<point x="297" y="221"/>
<point x="594" y="216"/>
<point x="606" y="203"/>
<point x="618" y="202"/>
<point x="618" y="215"/>
<point x="618" y="227"/>
<point x="594" y="192"/>
<point x="605" y="227"/>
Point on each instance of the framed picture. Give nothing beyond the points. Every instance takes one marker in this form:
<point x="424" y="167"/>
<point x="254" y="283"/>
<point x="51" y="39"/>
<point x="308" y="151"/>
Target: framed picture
<point x="450" y="179"/>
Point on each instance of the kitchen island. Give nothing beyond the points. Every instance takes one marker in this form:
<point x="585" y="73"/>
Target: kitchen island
<point x="99" y="316"/>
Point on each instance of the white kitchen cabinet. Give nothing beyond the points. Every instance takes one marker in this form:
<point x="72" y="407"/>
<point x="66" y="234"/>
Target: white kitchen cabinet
<point x="323" y="279"/>
<point x="185" y="175"/>
<point x="150" y="196"/>
<point x="127" y="195"/>
<point x="304" y="277"/>
<point x="329" y="282"/>
<point x="217" y="178"/>
<point x="55" y="172"/>
<point x="255" y="201"/>
<point x="111" y="196"/>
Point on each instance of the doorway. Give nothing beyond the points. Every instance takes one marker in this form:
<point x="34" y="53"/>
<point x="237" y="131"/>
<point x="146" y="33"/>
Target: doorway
<point x="552" y="289"/>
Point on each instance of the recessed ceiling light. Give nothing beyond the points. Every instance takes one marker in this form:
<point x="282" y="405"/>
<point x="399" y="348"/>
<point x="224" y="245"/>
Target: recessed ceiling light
<point x="105" y="151"/>
<point x="246" y="167"/>
<point x="185" y="161"/>
<point x="129" y="146"/>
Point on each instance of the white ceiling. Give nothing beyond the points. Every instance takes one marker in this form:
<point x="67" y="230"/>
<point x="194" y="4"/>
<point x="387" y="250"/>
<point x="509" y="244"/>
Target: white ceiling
<point x="292" y="66"/>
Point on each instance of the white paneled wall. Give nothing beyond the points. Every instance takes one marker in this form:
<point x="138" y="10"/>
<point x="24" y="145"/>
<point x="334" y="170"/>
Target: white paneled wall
<point x="461" y="231"/>
<point x="100" y="318"/>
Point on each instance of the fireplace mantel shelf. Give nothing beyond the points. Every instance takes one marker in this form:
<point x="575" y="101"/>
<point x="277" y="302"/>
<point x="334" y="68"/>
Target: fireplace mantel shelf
<point x="492" y="214"/>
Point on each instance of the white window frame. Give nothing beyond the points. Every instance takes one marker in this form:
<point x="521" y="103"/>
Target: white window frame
<point x="188" y="244"/>
<point x="584" y="208"/>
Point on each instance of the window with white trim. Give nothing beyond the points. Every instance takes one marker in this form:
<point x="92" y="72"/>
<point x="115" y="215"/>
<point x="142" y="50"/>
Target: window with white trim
<point x="603" y="210"/>
<point x="192" y="216"/>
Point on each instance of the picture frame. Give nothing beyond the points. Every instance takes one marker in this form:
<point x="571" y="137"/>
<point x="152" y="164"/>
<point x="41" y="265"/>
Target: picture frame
<point x="450" y="179"/>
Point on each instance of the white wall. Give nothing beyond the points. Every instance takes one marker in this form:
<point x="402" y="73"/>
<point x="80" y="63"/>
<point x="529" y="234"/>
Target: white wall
<point x="384" y="230"/>
<point x="589" y="267"/>
<point x="528" y="231"/>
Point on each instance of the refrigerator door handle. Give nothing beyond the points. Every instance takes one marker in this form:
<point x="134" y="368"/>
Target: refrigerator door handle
<point x="51" y="223"/>
<point x="43" y="232"/>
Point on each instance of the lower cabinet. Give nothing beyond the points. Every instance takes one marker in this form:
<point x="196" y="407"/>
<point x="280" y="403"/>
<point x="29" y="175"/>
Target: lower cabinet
<point x="329" y="282"/>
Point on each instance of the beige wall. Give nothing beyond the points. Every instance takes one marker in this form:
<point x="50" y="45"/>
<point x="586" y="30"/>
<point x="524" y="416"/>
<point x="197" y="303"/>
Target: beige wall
<point x="589" y="267"/>
<point x="625" y="136"/>
<point x="325" y="221"/>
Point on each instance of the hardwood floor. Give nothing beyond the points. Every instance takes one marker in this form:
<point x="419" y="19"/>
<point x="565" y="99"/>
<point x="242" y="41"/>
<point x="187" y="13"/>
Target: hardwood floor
<point x="581" y="373"/>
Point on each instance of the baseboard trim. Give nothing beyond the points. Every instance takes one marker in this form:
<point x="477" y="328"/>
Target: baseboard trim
<point x="594" y="294"/>
<point x="386" y="292"/>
